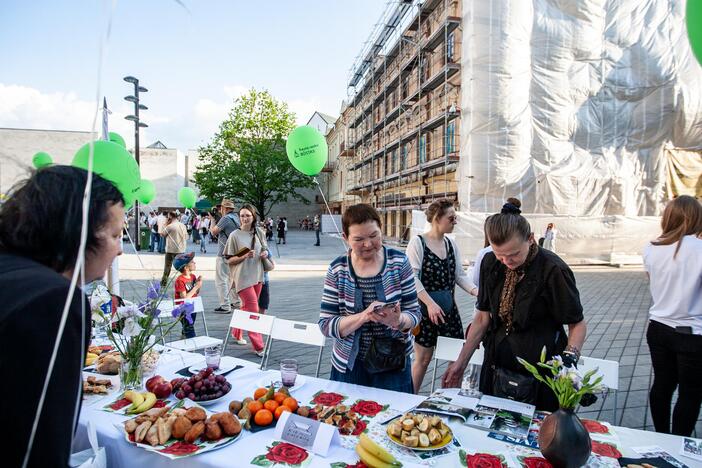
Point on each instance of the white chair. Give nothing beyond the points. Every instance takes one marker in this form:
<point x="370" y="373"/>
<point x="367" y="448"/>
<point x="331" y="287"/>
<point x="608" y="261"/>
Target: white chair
<point x="188" y="344"/>
<point x="251" y="322"/>
<point x="610" y="375"/>
<point x="448" y="349"/>
<point x="296" y="332"/>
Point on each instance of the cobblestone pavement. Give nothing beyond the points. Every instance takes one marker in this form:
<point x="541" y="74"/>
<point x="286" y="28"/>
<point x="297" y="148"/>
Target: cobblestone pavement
<point x="616" y="303"/>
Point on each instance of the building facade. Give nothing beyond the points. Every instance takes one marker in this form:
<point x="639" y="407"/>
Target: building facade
<point x="401" y="124"/>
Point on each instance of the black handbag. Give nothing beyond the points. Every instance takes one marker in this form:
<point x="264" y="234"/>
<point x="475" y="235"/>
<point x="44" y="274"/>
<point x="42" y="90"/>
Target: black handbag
<point x="514" y="386"/>
<point x="385" y="355"/>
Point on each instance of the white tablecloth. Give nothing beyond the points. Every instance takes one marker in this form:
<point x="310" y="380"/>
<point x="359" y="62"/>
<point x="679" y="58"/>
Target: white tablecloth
<point x="244" y="381"/>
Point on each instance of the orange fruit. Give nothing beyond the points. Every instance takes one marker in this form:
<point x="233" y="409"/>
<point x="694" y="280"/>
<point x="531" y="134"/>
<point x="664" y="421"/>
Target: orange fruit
<point x="255" y="406"/>
<point x="291" y="403"/>
<point x="280" y="410"/>
<point x="271" y="405"/>
<point x="260" y="392"/>
<point x="263" y="417"/>
<point x="279" y="397"/>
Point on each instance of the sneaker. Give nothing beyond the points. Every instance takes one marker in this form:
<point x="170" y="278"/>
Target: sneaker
<point x="240" y="341"/>
<point x="222" y="310"/>
<point x="260" y="353"/>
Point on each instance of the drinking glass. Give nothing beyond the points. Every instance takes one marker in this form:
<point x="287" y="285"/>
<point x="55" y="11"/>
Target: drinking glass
<point x="213" y="354"/>
<point x="288" y="372"/>
<point x="471" y="381"/>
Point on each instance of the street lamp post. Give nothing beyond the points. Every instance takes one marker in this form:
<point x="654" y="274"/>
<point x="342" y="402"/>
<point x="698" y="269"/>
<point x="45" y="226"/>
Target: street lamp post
<point x="137" y="125"/>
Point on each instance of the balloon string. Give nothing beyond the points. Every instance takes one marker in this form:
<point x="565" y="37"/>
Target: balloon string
<point x="330" y="213"/>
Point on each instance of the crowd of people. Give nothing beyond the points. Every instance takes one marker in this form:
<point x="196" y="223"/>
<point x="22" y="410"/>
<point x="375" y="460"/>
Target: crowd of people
<point x="382" y="308"/>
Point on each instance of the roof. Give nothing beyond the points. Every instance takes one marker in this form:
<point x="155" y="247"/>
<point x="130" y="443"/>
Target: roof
<point x="157" y="145"/>
<point x="327" y="118"/>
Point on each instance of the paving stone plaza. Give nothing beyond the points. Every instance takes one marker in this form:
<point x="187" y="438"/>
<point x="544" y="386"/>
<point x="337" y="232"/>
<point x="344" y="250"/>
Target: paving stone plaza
<point x="616" y="303"/>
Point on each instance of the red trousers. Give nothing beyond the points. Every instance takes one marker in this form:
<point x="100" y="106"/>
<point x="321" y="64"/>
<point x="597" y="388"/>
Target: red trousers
<point x="249" y="303"/>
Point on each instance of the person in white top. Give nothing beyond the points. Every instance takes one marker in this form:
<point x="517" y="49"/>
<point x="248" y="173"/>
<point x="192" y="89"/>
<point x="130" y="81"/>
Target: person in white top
<point x="550" y="237"/>
<point x="436" y="262"/>
<point x="674" y="266"/>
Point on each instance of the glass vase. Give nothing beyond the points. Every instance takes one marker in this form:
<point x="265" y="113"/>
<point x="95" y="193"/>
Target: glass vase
<point x="131" y="374"/>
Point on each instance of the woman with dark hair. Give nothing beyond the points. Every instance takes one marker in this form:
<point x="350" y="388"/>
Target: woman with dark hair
<point x="369" y="307"/>
<point x="525" y="297"/>
<point x="436" y="262"/>
<point x="674" y="265"/>
<point x="245" y="252"/>
<point x="40" y="234"/>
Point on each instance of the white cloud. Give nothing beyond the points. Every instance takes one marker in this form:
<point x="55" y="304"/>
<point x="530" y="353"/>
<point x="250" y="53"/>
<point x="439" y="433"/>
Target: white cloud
<point x="26" y="107"/>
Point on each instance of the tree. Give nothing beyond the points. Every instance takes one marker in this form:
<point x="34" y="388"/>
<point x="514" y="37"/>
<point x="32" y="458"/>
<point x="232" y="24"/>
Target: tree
<point x="246" y="159"/>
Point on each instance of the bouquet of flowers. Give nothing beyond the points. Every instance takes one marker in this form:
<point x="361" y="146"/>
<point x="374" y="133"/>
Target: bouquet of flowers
<point x="567" y="382"/>
<point x="134" y="325"/>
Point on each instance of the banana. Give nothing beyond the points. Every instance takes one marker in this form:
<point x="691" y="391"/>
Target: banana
<point x="372" y="461"/>
<point x="135" y="397"/>
<point x="377" y="451"/>
<point x="148" y="403"/>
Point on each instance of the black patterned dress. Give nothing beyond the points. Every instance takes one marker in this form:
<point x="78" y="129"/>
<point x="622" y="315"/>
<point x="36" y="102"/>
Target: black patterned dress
<point x="437" y="275"/>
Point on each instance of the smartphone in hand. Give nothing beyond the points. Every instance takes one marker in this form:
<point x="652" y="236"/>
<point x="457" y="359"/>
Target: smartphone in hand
<point x="387" y="307"/>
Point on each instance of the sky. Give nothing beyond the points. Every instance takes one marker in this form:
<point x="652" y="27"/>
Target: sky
<point x="194" y="57"/>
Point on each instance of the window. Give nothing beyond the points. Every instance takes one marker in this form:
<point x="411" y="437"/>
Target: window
<point x="450" y="137"/>
<point x="405" y="87"/>
<point x="394" y="166"/>
<point x="403" y="156"/>
<point x="422" y="149"/>
<point x="450" y="47"/>
<point x="423" y="69"/>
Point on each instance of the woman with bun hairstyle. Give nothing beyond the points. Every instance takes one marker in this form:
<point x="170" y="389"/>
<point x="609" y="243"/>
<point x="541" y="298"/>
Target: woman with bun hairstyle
<point x="526" y="297"/>
<point x="436" y="262"/>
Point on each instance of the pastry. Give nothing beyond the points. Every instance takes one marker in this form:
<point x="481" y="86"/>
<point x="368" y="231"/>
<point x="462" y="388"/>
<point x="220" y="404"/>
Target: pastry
<point x="213" y="431"/>
<point x="181" y="426"/>
<point x="196" y="414"/>
<point x="194" y="432"/>
<point x="141" y="430"/>
<point x="152" y="435"/>
<point x="230" y="425"/>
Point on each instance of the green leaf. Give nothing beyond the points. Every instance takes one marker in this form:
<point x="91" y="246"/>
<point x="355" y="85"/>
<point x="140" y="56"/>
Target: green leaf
<point x="338" y="465"/>
<point x="462" y="456"/>
<point x="261" y="460"/>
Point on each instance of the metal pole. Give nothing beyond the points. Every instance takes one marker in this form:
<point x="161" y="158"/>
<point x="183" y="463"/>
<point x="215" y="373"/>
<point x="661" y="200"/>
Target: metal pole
<point x="137" y="239"/>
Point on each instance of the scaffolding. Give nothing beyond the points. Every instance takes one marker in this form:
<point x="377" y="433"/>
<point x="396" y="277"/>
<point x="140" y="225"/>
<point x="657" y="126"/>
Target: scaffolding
<point x="403" y="111"/>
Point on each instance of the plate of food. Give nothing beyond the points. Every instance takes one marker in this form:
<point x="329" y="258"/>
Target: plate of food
<point x="419" y="431"/>
<point x="180" y="431"/>
<point x="206" y="388"/>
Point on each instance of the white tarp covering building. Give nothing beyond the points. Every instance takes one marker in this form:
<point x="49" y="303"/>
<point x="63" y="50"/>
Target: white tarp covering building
<point x="581" y="108"/>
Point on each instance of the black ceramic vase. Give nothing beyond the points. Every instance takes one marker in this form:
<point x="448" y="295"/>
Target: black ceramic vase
<point x="563" y="440"/>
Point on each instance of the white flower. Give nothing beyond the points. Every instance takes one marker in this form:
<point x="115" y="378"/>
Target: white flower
<point x="128" y="311"/>
<point x="576" y="378"/>
<point x="98" y="317"/>
<point x="131" y="327"/>
<point x="556" y="361"/>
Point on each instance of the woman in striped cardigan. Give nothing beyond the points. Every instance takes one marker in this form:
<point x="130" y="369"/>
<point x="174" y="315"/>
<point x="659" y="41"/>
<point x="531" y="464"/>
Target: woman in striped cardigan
<point x="369" y="306"/>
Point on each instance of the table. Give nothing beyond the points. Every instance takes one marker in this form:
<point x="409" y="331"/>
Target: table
<point x="240" y="453"/>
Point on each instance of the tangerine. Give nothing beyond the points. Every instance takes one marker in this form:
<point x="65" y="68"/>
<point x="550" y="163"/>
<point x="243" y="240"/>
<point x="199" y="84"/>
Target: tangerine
<point x="271" y="405"/>
<point x="279" y="397"/>
<point x="263" y="417"/>
<point x="291" y="403"/>
<point x="280" y="410"/>
<point x="260" y="392"/>
<point x="255" y="406"/>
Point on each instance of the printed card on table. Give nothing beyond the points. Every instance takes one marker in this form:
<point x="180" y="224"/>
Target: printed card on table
<point x="691" y="448"/>
<point x="306" y="433"/>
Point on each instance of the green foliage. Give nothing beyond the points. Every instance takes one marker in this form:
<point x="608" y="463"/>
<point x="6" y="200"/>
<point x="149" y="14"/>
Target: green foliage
<point x="246" y="159"/>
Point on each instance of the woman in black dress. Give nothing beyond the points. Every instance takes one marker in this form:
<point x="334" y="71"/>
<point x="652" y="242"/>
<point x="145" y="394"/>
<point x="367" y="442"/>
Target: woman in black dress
<point x="436" y="262"/>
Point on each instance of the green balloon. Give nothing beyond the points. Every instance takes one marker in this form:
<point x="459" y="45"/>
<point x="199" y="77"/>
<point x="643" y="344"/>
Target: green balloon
<point x="146" y="192"/>
<point x="41" y="159"/>
<point x="117" y="138"/>
<point x="694" y="27"/>
<point x="114" y="163"/>
<point x="187" y="197"/>
<point x="307" y="150"/>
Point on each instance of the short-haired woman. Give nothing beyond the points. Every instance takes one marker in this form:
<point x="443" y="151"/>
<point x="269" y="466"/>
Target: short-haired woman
<point x="369" y="307"/>
<point x="674" y="265"/>
<point x="246" y="269"/>
<point x="40" y="236"/>
<point x="526" y="295"/>
<point x="436" y="262"/>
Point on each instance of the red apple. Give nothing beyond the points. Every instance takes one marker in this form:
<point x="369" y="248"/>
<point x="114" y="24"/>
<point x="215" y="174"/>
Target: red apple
<point x="152" y="382"/>
<point x="163" y="389"/>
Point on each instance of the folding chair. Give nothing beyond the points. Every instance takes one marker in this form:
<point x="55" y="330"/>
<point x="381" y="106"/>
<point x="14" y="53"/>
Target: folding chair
<point x="296" y="332"/>
<point x="448" y="349"/>
<point x="252" y="322"/>
<point x="610" y="376"/>
<point x="188" y="344"/>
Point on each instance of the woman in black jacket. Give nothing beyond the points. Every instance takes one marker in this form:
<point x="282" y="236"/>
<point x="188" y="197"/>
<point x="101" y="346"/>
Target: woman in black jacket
<point x="40" y="229"/>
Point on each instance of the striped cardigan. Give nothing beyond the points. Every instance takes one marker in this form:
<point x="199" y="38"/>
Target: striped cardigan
<point x="341" y="298"/>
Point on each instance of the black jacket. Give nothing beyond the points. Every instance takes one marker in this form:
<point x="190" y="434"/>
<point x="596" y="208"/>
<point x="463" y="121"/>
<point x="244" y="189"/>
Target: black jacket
<point x="32" y="298"/>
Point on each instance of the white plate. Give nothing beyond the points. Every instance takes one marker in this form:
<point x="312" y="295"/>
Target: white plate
<point x="274" y="377"/>
<point x="226" y="364"/>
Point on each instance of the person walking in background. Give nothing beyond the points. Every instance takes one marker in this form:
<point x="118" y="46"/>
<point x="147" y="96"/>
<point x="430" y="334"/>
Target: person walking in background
<point x="153" y="228"/>
<point x="196" y="228"/>
<point x="436" y="262"/>
<point x="176" y="236"/>
<point x="674" y="266"/>
<point x="228" y="223"/>
<point x="246" y="252"/>
<point x="550" y="237"/>
<point x="187" y="286"/>
<point x="281" y="230"/>
<point x="369" y="307"/>
<point x="161" y="224"/>
<point x="317" y="228"/>
<point x="204" y="232"/>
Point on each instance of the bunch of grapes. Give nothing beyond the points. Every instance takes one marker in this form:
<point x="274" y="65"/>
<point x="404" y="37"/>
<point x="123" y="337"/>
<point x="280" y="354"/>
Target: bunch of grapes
<point x="204" y="386"/>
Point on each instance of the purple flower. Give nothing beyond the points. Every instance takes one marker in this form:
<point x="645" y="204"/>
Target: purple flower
<point x="153" y="291"/>
<point x="185" y="310"/>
